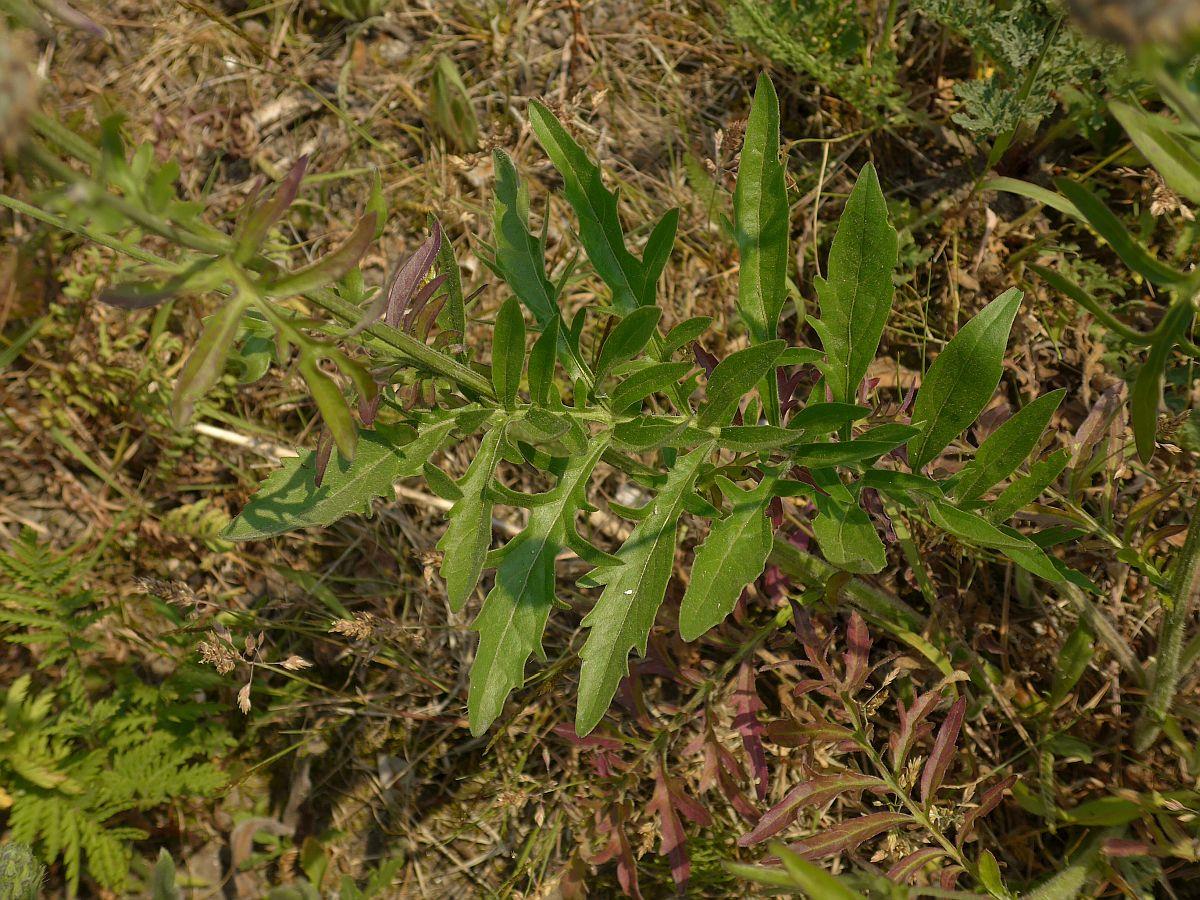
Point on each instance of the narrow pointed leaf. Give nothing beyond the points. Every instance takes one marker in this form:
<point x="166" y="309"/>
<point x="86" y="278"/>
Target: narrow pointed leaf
<point x="657" y="254"/>
<point x="207" y="359"/>
<point x="289" y="498"/>
<point x="330" y="267"/>
<point x="465" y="543"/>
<point x="1109" y="227"/>
<point x="1146" y="395"/>
<point x="733" y="378"/>
<point x="623" y="615"/>
<point x="857" y="297"/>
<point x="519" y="256"/>
<point x="1178" y="166"/>
<point x="654" y="379"/>
<point x="975" y="529"/>
<point x="508" y="352"/>
<point x="596" y="208"/>
<point x="684" y="333"/>
<point x="942" y="753"/>
<point x="760" y="208"/>
<point x="731" y="557"/>
<point x="1027" y="488"/>
<point x="962" y="379"/>
<point x="1007" y="447"/>
<point x="627" y="339"/>
<point x="513" y="616"/>
<point x="813" y="880"/>
<point x="815" y="792"/>
<point x="989" y="801"/>
<point x="848" y="835"/>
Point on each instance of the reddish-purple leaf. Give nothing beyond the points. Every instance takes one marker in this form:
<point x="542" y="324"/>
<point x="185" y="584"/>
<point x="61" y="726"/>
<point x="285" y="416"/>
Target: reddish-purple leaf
<point x="417" y="304"/>
<point x="943" y="750"/>
<point x="816" y="650"/>
<point x="901" y="742"/>
<point x="674" y="842"/>
<point x="408" y="277"/>
<point x="989" y="801"/>
<point x="848" y="835"/>
<point x="1125" y="847"/>
<point x="949" y="877"/>
<point x="324" y="451"/>
<point x="746" y="707"/>
<point x="858" y="653"/>
<point x="903" y="871"/>
<point x="614" y="825"/>
<point x="814" y="792"/>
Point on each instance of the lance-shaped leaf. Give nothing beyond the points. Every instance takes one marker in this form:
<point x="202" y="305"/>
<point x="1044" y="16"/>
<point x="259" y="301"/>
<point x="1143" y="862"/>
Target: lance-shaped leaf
<point x="1007" y="447"/>
<point x="254" y="227"/>
<point x="465" y="543"/>
<point x="914" y="863"/>
<point x="289" y="499"/>
<point x="817" y="791"/>
<point x="330" y="267"/>
<point x="1174" y="161"/>
<point x="760" y="209"/>
<point x="657" y="253"/>
<point x="942" y="753"/>
<point x="684" y="333"/>
<point x="622" y="617"/>
<point x="654" y="379"/>
<point x="1146" y="395"/>
<point x="1093" y="211"/>
<point x="627" y="339"/>
<point x="508" y="352"/>
<point x="975" y="529"/>
<point x="207" y="359"/>
<point x="1027" y="488"/>
<point x="202" y="275"/>
<point x="731" y="557"/>
<point x="962" y="379"/>
<point x="990" y="800"/>
<point x="848" y="835"/>
<point x="331" y="404"/>
<point x="734" y="377"/>
<point x="513" y="616"/>
<point x="519" y="258"/>
<point x="818" y="419"/>
<point x="857" y="296"/>
<point x="596" y="208"/>
<point x="869" y="445"/>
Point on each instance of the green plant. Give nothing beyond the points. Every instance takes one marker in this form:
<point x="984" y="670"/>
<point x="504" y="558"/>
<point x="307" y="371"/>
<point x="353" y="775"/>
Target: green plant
<point x="827" y="41"/>
<point x="20" y="874"/>
<point x="753" y="440"/>
<point x="81" y="752"/>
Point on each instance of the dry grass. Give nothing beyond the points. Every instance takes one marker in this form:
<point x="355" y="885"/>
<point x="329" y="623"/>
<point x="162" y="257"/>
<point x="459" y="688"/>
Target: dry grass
<point x="370" y="745"/>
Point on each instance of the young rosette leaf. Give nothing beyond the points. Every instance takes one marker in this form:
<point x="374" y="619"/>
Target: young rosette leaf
<point x="731" y="557"/>
<point x="290" y="499"/>
<point x="513" y="616"/>
<point x="856" y="298"/>
<point x="465" y="543"/>
<point x="622" y="617"/>
<point x="962" y="379"/>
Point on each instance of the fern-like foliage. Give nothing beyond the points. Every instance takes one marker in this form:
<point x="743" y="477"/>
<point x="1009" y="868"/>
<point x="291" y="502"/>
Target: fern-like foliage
<point x="1015" y="40"/>
<point x="824" y="40"/>
<point x="77" y="754"/>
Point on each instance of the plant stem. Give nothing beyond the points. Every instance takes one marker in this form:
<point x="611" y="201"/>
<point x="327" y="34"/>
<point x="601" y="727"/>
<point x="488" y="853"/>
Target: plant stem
<point x="1177" y="611"/>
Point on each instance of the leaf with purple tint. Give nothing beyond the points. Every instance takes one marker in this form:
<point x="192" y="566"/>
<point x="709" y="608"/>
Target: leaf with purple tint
<point x="911" y="719"/>
<point x="816" y="791"/>
<point x="849" y="834"/>
<point x="904" y="870"/>
<point x="746" y="707"/>
<point x="989" y="801"/>
<point x="330" y="267"/>
<point x="858" y="653"/>
<point x="254" y="227"/>
<point x="944" y="746"/>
